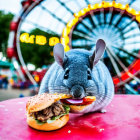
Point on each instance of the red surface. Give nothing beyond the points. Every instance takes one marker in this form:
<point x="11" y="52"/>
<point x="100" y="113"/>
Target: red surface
<point x="122" y="121"/>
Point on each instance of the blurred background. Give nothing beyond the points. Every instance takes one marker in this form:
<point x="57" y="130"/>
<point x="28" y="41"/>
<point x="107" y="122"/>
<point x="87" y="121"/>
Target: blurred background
<point x="30" y="28"/>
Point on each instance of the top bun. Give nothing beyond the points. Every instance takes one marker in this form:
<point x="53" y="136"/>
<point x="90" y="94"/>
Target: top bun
<point x="42" y="101"/>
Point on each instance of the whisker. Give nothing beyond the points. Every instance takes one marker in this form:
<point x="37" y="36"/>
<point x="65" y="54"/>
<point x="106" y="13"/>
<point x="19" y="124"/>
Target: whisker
<point x="58" y="89"/>
<point x="96" y="90"/>
<point x="91" y="87"/>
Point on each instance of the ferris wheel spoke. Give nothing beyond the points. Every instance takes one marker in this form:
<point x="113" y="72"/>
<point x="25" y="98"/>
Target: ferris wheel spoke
<point x="130" y="29"/>
<point x="79" y="45"/>
<point x="119" y="19"/>
<point x="128" y="87"/>
<point x="128" y="24"/>
<point x="111" y="17"/>
<point x="95" y="19"/>
<point x="88" y="28"/>
<point x="66" y="7"/>
<point x="80" y="34"/>
<point x="80" y="31"/>
<point x="115" y="42"/>
<point x="88" y="47"/>
<point x="78" y="4"/>
<point x="134" y="42"/>
<point x="87" y="2"/>
<point x="132" y="36"/>
<point x="99" y="17"/>
<point x="82" y="43"/>
<point x="122" y="65"/>
<point x="131" y="54"/>
<point x="102" y="18"/>
<point x="52" y="14"/>
<point x="115" y="35"/>
<point x="92" y="22"/>
<point x="114" y="64"/>
<point x="85" y="33"/>
<point x="131" y="2"/>
<point x="105" y="23"/>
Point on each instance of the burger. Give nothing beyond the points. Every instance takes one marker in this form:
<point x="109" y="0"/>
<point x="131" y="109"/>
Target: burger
<point x="79" y="105"/>
<point x="44" y="112"/>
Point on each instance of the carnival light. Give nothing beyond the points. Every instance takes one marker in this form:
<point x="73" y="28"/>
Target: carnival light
<point x="31" y="39"/>
<point x="122" y="7"/>
<point x="66" y="48"/>
<point x="105" y="4"/>
<point x="53" y="41"/>
<point x="66" y="31"/>
<point x="39" y="39"/>
<point x="99" y="5"/>
<point x="93" y="7"/>
<point x="65" y="41"/>
<point x="117" y="5"/>
<point x="24" y="37"/>
<point x="138" y="18"/>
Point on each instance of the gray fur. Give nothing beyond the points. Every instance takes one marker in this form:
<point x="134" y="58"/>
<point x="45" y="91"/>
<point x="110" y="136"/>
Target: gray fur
<point x="78" y="63"/>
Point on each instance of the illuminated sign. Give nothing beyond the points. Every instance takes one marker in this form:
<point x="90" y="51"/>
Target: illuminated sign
<point x="38" y="39"/>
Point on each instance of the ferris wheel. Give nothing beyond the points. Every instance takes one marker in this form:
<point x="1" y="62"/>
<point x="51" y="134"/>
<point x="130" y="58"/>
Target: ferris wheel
<point x="79" y="24"/>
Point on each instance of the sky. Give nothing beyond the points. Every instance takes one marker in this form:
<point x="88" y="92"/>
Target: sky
<point x="12" y="6"/>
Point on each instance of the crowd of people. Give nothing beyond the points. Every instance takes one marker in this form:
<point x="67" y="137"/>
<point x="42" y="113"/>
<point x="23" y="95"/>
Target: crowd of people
<point x="17" y="83"/>
<point x="3" y="82"/>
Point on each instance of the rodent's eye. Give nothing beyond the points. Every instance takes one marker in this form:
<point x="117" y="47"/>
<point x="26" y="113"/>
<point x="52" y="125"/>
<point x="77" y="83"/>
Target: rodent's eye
<point x="89" y="75"/>
<point x="66" y="75"/>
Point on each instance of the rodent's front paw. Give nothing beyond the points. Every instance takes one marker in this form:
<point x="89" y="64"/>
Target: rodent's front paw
<point x="103" y="110"/>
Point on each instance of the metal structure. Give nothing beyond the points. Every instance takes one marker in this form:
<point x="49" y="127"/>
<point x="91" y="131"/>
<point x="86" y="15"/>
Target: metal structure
<point x="79" y="23"/>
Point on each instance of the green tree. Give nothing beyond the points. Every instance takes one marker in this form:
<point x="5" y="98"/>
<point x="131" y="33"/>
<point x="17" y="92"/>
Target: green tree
<point x="5" y="19"/>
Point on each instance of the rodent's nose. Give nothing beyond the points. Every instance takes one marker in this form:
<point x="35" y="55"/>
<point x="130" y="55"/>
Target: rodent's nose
<point x="77" y="92"/>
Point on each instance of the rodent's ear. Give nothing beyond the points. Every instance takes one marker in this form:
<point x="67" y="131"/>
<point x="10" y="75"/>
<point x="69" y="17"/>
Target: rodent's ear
<point x="97" y="54"/>
<point x="58" y="52"/>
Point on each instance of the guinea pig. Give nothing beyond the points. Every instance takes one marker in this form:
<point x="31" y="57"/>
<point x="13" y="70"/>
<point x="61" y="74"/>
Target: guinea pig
<point x="80" y="73"/>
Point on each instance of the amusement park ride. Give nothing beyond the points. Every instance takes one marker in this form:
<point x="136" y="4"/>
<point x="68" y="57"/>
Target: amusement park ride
<point x="79" y="23"/>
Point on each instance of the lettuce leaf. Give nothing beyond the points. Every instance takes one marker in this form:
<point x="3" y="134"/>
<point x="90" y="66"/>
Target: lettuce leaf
<point x="39" y="122"/>
<point x="67" y="109"/>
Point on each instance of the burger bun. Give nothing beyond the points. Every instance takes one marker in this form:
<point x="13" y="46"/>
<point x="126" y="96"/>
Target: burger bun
<point x="57" y="124"/>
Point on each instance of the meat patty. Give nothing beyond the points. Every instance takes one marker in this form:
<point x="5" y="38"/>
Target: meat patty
<point x="55" y="110"/>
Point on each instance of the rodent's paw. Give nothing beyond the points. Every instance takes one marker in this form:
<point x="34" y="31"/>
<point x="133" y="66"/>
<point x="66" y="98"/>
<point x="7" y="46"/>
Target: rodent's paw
<point x="103" y="110"/>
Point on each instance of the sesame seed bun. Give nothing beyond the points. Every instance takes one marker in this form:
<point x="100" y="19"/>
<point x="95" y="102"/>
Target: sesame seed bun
<point x="42" y="101"/>
<point x="59" y="123"/>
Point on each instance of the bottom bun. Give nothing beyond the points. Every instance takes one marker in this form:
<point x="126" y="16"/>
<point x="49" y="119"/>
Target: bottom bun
<point x="77" y="109"/>
<point x="48" y="126"/>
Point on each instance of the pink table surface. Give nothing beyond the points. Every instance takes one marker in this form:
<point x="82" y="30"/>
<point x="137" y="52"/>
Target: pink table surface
<point x="121" y="122"/>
